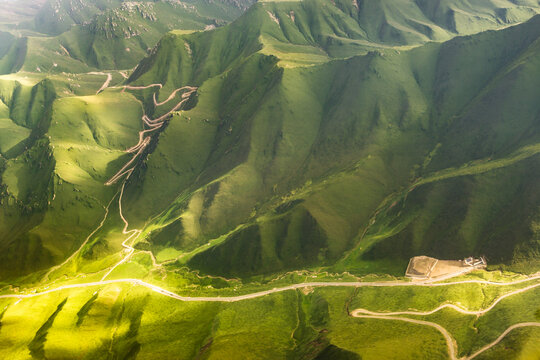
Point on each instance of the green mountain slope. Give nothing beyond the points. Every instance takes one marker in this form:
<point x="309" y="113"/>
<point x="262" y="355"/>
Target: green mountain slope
<point x="57" y="16"/>
<point x="14" y="12"/>
<point x="52" y="185"/>
<point x="105" y="34"/>
<point x="322" y="145"/>
<point x="292" y="170"/>
<point x="315" y="31"/>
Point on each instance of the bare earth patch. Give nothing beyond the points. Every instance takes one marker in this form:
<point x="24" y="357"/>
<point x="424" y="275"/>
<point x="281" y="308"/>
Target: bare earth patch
<point x="425" y="267"/>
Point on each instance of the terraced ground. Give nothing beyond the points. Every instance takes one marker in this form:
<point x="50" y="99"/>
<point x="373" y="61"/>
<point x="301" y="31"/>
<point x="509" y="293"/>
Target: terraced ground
<point x="256" y="190"/>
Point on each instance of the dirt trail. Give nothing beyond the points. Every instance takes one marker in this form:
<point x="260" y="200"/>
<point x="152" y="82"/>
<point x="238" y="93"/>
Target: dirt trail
<point x="134" y="234"/>
<point x="498" y="340"/>
<point x="154" y="124"/>
<point x="449" y="306"/>
<point x="271" y="291"/>
<point x="46" y="276"/>
<point x="106" y="83"/>
<point x="151" y="124"/>
<point x="359" y="313"/>
<point x="173" y="94"/>
<point x="450" y="341"/>
<point x="127" y="169"/>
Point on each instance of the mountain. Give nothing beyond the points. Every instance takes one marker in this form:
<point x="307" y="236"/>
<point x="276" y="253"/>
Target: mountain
<point x="204" y="180"/>
<point x="295" y="143"/>
<point x="88" y="35"/>
<point x="58" y="16"/>
<point x="322" y="160"/>
<point x="307" y="32"/>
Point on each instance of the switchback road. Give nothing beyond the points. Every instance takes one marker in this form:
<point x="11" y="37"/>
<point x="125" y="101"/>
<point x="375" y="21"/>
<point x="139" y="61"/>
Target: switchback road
<point x="450" y="342"/>
<point x="154" y="124"/>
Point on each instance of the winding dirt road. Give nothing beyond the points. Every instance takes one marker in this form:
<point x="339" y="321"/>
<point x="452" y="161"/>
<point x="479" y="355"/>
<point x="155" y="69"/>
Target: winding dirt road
<point x="173" y="94"/>
<point x="134" y="234"/>
<point x="449" y="306"/>
<point x="100" y="225"/>
<point x="358" y="313"/>
<point x="154" y="124"/>
<point x="450" y="341"/>
<point x="106" y="83"/>
<point x="127" y="169"/>
<point x="498" y="340"/>
<point x="151" y="124"/>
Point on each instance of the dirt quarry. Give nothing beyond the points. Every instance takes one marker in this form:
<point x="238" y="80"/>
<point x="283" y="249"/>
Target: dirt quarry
<point x="425" y="267"/>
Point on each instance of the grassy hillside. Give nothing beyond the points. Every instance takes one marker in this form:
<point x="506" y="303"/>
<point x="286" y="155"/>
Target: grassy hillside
<point x="314" y="31"/>
<point x="18" y="11"/>
<point x="118" y="38"/>
<point x="85" y="35"/>
<point x="294" y="170"/>
<point x="52" y="179"/>
<point x="326" y="141"/>
<point x="58" y="16"/>
<point x="116" y="34"/>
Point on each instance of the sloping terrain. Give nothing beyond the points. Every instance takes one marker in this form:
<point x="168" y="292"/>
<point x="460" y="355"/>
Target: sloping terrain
<point x="256" y="190"/>
<point x="87" y="35"/>
<point x="116" y="34"/>
<point x="298" y="166"/>
<point x="295" y="170"/>
<point x="53" y="184"/>
<point x="315" y="31"/>
<point x="19" y="11"/>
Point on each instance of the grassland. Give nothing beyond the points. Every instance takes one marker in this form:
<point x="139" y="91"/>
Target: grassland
<point x="322" y="144"/>
<point x="346" y="164"/>
<point x="127" y="320"/>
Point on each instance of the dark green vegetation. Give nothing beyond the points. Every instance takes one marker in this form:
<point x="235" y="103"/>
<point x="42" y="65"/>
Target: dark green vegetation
<point x="356" y="164"/>
<point x="36" y="346"/>
<point x="326" y="140"/>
